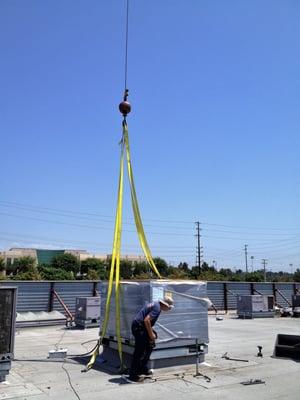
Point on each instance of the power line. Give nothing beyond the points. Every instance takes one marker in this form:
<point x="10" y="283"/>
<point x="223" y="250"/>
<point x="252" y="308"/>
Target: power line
<point x="214" y="250"/>
<point x="9" y="236"/>
<point x="243" y="238"/>
<point x="251" y="227"/>
<point x="96" y="215"/>
<point x="249" y="233"/>
<point x="70" y="215"/>
<point x="88" y="226"/>
<point x="73" y="215"/>
<point x="91" y="214"/>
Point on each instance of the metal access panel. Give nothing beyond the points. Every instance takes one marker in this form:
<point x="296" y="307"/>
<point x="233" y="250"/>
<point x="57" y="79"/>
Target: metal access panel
<point x="183" y="325"/>
<point x="8" y="300"/>
<point x="255" y="306"/>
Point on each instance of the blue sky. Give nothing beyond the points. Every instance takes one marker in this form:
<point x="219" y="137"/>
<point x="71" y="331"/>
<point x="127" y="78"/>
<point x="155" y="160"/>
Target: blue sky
<point x="214" y="128"/>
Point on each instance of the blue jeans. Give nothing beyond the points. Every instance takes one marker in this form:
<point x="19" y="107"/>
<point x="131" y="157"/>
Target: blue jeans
<point x="142" y="350"/>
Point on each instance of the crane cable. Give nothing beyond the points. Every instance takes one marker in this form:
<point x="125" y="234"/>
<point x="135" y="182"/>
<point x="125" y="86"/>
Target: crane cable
<point x="114" y="274"/>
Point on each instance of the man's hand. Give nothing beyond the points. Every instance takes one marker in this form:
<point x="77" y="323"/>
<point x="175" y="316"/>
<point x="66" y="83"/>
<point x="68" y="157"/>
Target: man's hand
<point x="151" y="332"/>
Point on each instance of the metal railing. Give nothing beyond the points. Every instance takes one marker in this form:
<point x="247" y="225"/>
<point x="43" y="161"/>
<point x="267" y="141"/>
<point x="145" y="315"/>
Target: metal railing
<point x="61" y="295"/>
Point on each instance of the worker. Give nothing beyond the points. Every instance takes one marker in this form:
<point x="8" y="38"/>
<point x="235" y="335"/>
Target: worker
<point x="145" y="336"/>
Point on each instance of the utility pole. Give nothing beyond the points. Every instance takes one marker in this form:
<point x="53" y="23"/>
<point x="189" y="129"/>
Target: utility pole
<point x="291" y="266"/>
<point x="264" y="262"/>
<point x="252" y="258"/>
<point x="198" y="236"/>
<point x="246" y="258"/>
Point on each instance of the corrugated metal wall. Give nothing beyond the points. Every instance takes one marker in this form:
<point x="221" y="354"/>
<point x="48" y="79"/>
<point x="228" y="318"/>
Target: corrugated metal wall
<point x="235" y="289"/>
<point x="287" y="291"/>
<point x="264" y="288"/>
<point x="215" y="292"/>
<point x="35" y="296"/>
<point x="32" y="296"/>
<point x="68" y="291"/>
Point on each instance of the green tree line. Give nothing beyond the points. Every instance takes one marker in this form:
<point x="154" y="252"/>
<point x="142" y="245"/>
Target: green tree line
<point x="67" y="267"/>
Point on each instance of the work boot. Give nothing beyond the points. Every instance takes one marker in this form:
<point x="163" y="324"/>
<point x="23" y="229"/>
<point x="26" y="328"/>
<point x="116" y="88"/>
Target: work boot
<point x="134" y="379"/>
<point x="147" y="372"/>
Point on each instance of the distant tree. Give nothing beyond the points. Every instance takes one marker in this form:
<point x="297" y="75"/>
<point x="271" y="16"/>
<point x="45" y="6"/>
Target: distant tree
<point x="209" y="275"/>
<point x="194" y="273"/>
<point x="141" y="270"/>
<point x="205" y="267"/>
<point x="237" y="277"/>
<point x="66" y="262"/>
<point x="297" y="275"/>
<point x="2" y="269"/>
<point x="24" y="264"/>
<point x="255" y="276"/>
<point x="23" y="268"/>
<point x="225" y="274"/>
<point x="92" y="275"/>
<point x="183" y="266"/>
<point x="178" y="273"/>
<point x="11" y="269"/>
<point x="126" y="269"/>
<point x="161" y="265"/>
<point x="2" y="264"/>
<point x="144" y="275"/>
<point x="94" y="264"/>
<point x="49" y="273"/>
<point x="31" y="275"/>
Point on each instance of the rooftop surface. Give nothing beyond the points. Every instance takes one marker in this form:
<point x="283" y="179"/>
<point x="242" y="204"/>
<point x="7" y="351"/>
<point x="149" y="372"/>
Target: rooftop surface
<point x="33" y="377"/>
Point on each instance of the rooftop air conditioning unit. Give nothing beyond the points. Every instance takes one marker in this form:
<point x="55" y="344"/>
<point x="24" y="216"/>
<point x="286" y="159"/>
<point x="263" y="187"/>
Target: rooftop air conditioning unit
<point x="88" y="312"/>
<point x="255" y="306"/>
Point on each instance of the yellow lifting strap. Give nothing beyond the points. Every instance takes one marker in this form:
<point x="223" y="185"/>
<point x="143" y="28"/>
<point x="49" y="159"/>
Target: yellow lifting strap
<point x="114" y="273"/>
<point x="135" y="207"/>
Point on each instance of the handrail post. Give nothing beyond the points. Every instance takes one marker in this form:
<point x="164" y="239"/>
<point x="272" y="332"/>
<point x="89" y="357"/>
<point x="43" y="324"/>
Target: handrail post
<point x="274" y="292"/>
<point x="68" y="312"/>
<point x="51" y="297"/>
<point x="225" y="297"/>
<point x="95" y="291"/>
<point x="295" y="288"/>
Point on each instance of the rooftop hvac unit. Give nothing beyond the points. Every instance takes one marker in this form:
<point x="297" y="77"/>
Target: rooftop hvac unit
<point x="255" y="306"/>
<point x="8" y="300"/>
<point x="182" y="332"/>
<point x="87" y="313"/>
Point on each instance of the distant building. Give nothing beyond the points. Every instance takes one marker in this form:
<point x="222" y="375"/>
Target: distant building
<point x="45" y="256"/>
